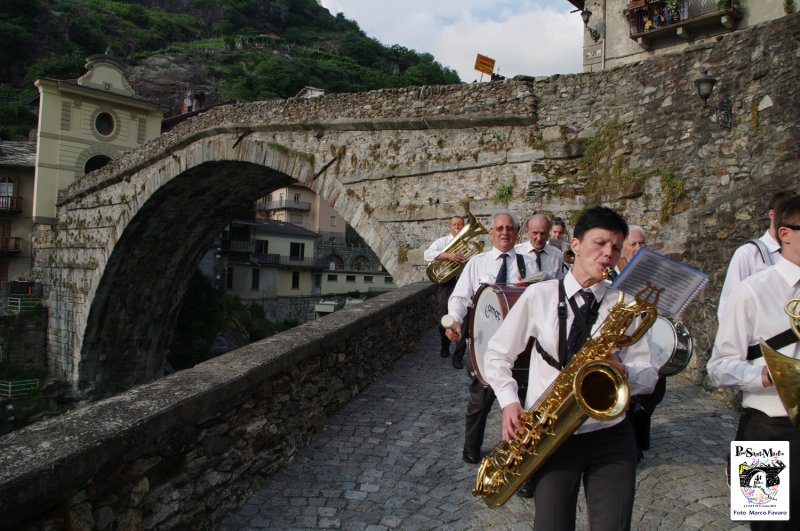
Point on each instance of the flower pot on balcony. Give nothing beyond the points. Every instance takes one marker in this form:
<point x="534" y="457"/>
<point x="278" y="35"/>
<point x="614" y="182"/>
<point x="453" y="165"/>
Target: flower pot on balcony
<point x="636" y="4"/>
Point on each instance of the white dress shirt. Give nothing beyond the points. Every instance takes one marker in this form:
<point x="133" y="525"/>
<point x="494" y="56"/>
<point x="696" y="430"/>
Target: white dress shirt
<point x="483" y="269"/>
<point x="552" y="259"/>
<point x="754" y="311"/>
<point x="436" y="248"/>
<point x="535" y="314"/>
<point x="746" y="261"/>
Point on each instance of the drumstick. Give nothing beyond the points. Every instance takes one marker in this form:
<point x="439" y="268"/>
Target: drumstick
<point x="448" y="322"/>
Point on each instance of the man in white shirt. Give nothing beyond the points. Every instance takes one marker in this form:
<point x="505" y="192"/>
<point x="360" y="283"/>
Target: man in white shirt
<point x="749" y="259"/>
<point x="548" y="259"/>
<point x="433" y="253"/>
<point x="488" y="268"/>
<point x="753" y="311"/>
<point x="601" y="455"/>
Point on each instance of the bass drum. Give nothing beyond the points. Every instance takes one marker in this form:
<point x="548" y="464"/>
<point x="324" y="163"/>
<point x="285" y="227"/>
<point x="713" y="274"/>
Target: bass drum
<point x="671" y="346"/>
<point x="490" y="305"/>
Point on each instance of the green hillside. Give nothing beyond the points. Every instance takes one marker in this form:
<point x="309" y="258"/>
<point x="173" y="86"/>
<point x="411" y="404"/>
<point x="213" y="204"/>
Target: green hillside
<point x="252" y="49"/>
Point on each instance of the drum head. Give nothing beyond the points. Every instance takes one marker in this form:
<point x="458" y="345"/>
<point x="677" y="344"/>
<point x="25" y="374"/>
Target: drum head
<point x="490" y="308"/>
<point x="662" y="342"/>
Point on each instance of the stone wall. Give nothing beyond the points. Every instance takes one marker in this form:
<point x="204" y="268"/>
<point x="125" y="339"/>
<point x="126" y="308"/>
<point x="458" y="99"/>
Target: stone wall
<point x="22" y="341"/>
<point x="181" y="452"/>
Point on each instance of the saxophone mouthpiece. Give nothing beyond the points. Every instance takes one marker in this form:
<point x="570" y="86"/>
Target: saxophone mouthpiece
<point x="610" y="274"/>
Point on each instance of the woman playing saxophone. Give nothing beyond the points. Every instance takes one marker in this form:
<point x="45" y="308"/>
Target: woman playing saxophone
<point x="600" y="454"/>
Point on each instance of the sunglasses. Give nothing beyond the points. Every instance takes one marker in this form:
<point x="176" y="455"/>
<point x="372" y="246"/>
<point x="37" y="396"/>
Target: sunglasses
<point x="793" y="227"/>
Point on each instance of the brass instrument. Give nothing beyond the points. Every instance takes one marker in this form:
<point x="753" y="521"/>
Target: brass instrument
<point x="785" y="371"/>
<point x="589" y="386"/>
<point x="441" y="271"/>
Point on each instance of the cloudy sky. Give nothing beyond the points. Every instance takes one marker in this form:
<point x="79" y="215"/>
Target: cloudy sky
<point x="530" y="37"/>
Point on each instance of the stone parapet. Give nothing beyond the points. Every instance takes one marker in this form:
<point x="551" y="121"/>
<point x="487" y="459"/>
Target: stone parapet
<point x="182" y="451"/>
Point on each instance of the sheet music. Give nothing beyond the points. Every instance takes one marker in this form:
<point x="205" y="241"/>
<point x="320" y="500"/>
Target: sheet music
<point x="681" y="282"/>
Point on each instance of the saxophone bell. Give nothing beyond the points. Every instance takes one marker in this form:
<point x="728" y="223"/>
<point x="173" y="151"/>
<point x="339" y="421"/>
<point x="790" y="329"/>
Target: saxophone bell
<point x="785" y="371"/>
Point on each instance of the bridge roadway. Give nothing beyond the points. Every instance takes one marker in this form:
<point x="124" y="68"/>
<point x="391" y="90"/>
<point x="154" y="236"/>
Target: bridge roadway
<point x="391" y="459"/>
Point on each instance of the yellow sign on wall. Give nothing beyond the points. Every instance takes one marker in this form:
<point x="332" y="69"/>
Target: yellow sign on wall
<point x="484" y="64"/>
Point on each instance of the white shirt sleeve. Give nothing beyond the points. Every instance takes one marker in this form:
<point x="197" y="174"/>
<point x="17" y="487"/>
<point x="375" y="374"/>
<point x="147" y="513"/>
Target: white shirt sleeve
<point x="435" y="249"/>
<point x="728" y="365"/>
<point x="461" y="298"/>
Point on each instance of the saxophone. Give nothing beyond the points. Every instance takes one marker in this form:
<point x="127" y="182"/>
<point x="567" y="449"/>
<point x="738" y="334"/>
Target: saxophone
<point x="441" y="271"/>
<point x="589" y="386"/>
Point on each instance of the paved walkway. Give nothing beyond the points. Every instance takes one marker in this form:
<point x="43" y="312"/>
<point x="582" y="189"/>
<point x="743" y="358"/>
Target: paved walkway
<point x="391" y="459"/>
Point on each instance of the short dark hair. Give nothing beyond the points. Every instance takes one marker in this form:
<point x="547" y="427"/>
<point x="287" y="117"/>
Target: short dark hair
<point x="559" y="221"/>
<point x="788" y="213"/>
<point x="779" y="197"/>
<point x="600" y="217"/>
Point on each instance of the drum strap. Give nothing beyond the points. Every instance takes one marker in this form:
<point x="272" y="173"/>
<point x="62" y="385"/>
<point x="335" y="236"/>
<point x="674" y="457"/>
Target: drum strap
<point x="521" y="266"/>
<point x="787" y="337"/>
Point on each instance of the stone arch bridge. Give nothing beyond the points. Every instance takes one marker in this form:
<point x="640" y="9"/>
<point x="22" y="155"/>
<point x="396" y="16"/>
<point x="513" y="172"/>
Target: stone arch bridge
<point x="397" y="163"/>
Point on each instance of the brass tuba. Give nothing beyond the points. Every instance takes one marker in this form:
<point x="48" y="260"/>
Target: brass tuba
<point x="785" y="371"/>
<point x="589" y="386"/>
<point x="441" y="271"/>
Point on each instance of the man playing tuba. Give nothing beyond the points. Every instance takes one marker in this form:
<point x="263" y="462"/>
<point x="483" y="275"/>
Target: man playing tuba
<point x="754" y="310"/>
<point x="436" y="251"/>
<point x="601" y="454"/>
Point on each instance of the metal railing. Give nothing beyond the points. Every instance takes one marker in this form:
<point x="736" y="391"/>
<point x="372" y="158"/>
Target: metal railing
<point x="15" y="388"/>
<point x="12" y="203"/>
<point x="10" y="245"/>
<point x="284" y="203"/>
<point x="290" y="261"/>
<point x="23" y="304"/>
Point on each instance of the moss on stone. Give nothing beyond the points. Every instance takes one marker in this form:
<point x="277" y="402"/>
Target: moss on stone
<point x="673" y="189"/>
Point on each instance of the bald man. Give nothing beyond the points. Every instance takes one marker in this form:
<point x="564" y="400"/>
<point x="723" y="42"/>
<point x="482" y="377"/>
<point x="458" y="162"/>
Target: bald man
<point x="548" y="259"/>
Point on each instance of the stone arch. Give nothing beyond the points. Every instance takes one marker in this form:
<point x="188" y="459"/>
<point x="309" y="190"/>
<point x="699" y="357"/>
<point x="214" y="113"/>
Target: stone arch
<point x="158" y="218"/>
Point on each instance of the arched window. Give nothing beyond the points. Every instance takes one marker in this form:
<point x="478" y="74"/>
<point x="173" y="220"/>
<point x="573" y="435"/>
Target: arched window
<point x="95" y="163"/>
<point x="361" y="263"/>
<point x="335" y="262"/>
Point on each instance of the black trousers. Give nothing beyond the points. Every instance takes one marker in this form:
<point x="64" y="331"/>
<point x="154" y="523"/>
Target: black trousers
<point x="480" y="403"/>
<point x="481" y="399"/>
<point x="755" y="425"/>
<point x="605" y="461"/>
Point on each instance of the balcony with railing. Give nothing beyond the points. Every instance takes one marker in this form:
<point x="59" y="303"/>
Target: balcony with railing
<point x="237" y="246"/>
<point x="283" y="204"/>
<point x="9" y="203"/>
<point x="10" y="245"/>
<point x="277" y="260"/>
<point x="653" y="20"/>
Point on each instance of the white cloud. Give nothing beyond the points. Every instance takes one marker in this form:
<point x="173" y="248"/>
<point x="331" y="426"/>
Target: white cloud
<point x="524" y="37"/>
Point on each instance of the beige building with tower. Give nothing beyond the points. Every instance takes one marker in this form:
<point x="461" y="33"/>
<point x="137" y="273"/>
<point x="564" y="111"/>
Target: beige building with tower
<point x="618" y="32"/>
<point x="83" y="125"/>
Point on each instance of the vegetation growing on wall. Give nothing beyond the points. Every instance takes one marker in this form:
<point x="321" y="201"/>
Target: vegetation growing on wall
<point x="606" y="161"/>
<point x="505" y="193"/>
<point x="673" y="189"/>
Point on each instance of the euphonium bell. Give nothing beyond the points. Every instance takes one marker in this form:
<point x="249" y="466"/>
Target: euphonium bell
<point x="785" y="371"/>
<point x="441" y="271"/>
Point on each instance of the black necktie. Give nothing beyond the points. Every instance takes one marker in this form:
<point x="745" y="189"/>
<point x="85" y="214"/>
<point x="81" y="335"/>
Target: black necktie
<point x="576" y="337"/>
<point x="502" y="275"/>
<point x="538" y="259"/>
